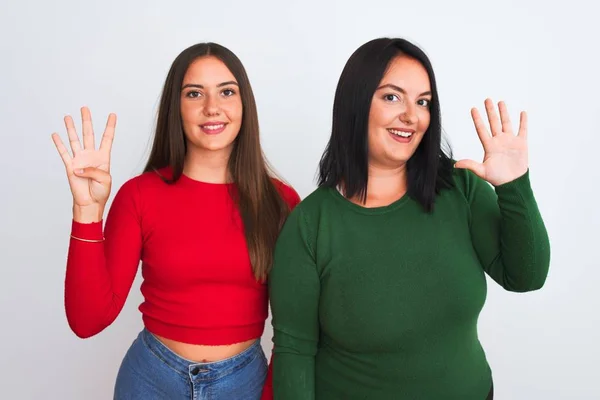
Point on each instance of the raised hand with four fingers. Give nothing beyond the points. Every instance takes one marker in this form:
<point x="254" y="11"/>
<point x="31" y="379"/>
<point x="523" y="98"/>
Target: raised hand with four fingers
<point x="88" y="168"/>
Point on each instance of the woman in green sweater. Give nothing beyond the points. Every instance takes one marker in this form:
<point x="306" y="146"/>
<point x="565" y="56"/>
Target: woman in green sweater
<point x="379" y="274"/>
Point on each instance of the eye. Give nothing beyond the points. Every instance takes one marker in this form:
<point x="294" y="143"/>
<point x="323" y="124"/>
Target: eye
<point x="424" y="102"/>
<point x="193" y="94"/>
<point x="391" y="97"/>
<point x="228" y="92"/>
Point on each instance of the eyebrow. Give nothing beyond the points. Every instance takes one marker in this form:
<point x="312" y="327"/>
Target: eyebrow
<point x="195" y="85"/>
<point x="399" y="89"/>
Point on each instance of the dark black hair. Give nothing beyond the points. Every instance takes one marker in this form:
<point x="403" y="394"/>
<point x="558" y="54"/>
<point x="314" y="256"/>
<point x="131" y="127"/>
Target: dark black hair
<point x="345" y="159"/>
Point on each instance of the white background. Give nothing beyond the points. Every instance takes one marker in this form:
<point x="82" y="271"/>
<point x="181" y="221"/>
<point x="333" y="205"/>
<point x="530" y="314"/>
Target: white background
<point x="541" y="56"/>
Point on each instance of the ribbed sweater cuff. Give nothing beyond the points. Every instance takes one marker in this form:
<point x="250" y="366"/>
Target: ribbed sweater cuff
<point x="518" y="190"/>
<point x="91" y="231"/>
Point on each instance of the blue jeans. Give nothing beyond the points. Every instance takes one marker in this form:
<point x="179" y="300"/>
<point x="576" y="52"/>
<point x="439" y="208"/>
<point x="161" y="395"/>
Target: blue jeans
<point x="151" y="371"/>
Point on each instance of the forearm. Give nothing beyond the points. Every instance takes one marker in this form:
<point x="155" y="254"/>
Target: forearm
<point x="89" y="296"/>
<point x="523" y="261"/>
<point x="294" y="372"/>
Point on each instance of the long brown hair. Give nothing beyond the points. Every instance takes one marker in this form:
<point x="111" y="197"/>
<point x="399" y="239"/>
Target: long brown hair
<point x="262" y="208"/>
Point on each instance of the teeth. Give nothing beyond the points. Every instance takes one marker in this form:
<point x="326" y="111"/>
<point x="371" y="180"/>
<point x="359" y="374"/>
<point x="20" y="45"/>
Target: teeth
<point x="400" y="133"/>
<point x="213" y="127"/>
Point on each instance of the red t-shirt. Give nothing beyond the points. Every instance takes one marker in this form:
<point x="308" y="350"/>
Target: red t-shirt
<point x="198" y="285"/>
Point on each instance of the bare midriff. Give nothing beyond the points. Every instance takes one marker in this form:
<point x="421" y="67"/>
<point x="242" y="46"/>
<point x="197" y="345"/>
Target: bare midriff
<point x="202" y="353"/>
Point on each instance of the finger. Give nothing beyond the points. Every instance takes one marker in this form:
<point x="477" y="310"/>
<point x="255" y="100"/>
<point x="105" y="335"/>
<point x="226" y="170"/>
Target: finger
<point x="493" y="119"/>
<point x="87" y="128"/>
<point x="505" y="118"/>
<point x="480" y="127"/>
<point x="72" y="133"/>
<point x="523" y="125"/>
<point x="476" y="167"/>
<point x="94" y="174"/>
<point x="109" y="133"/>
<point x="62" y="150"/>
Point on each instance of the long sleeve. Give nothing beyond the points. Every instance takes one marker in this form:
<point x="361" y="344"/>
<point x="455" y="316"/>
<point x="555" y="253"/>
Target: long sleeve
<point x="294" y="289"/>
<point x="508" y="233"/>
<point x="292" y="198"/>
<point x="267" y="392"/>
<point x="99" y="275"/>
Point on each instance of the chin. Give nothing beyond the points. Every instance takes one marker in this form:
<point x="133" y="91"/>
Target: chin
<point x="216" y="143"/>
<point x="400" y="158"/>
<point x="216" y="147"/>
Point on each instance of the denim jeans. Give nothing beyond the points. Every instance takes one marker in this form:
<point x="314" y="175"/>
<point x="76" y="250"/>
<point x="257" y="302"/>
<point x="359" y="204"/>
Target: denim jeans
<point x="151" y="371"/>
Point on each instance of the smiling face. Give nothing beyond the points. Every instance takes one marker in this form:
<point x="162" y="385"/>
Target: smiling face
<point x="211" y="105"/>
<point x="399" y="115"/>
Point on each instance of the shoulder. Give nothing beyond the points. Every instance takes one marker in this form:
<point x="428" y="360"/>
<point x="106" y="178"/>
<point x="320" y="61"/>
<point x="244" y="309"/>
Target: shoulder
<point x="287" y="192"/>
<point x="311" y="208"/>
<point x="472" y="189"/>
<point x="145" y="184"/>
<point x="462" y="179"/>
<point x="466" y="182"/>
<point x="146" y="180"/>
<point x="306" y="218"/>
<point x="317" y="198"/>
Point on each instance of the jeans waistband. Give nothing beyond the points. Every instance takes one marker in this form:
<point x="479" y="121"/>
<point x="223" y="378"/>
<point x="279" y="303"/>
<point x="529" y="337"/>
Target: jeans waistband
<point x="195" y="370"/>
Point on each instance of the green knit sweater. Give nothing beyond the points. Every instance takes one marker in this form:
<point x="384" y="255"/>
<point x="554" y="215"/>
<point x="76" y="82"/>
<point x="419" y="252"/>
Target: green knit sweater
<point x="383" y="303"/>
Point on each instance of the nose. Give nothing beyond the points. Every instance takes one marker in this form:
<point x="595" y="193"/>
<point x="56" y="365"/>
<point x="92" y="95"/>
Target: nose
<point x="409" y="116"/>
<point x="211" y="106"/>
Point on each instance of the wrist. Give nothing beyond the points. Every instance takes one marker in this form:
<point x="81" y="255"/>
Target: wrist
<point x="88" y="214"/>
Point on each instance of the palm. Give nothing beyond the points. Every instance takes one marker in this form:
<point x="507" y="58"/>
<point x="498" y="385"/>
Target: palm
<point x="506" y="154"/>
<point x="87" y="191"/>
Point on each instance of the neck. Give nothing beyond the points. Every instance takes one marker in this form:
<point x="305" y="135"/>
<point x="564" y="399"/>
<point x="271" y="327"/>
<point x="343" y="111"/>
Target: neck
<point x="386" y="178"/>
<point x="385" y="186"/>
<point x="206" y="165"/>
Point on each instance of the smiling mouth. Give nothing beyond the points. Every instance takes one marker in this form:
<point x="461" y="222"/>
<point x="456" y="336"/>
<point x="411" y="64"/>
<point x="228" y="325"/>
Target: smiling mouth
<point x="213" y="127"/>
<point x="400" y="133"/>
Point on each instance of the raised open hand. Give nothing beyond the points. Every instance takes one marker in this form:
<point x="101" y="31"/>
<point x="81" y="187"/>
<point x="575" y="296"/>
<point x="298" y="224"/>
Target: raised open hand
<point x="88" y="169"/>
<point x="506" y="154"/>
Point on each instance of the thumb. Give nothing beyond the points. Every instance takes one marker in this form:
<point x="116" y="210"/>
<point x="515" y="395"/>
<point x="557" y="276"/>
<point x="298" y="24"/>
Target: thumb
<point x="476" y="167"/>
<point x="95" y="174"/>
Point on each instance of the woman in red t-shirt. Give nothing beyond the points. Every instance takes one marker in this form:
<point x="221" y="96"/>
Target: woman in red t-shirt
<point x="202" y="218"/>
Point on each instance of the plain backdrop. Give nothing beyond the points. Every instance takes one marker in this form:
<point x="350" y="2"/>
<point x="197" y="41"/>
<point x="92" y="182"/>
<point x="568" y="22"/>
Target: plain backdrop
<point x="539" y="56"/>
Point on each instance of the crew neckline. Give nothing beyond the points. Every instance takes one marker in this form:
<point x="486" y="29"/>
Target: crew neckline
<point x="186" y="178"/>
<point x="369" y="210"/>
<point x="167" y="173"/>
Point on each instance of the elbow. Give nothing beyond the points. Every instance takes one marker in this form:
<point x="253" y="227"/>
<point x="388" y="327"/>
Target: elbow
<point x="82" y="331"/>
<point x="538" y="283"/>
<point x="533" y="274"/>
<point x="82" y="334"/>
<point x="87" y="319"/>
<point x="527" y="286"/>
<point x="532" y="283"/>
